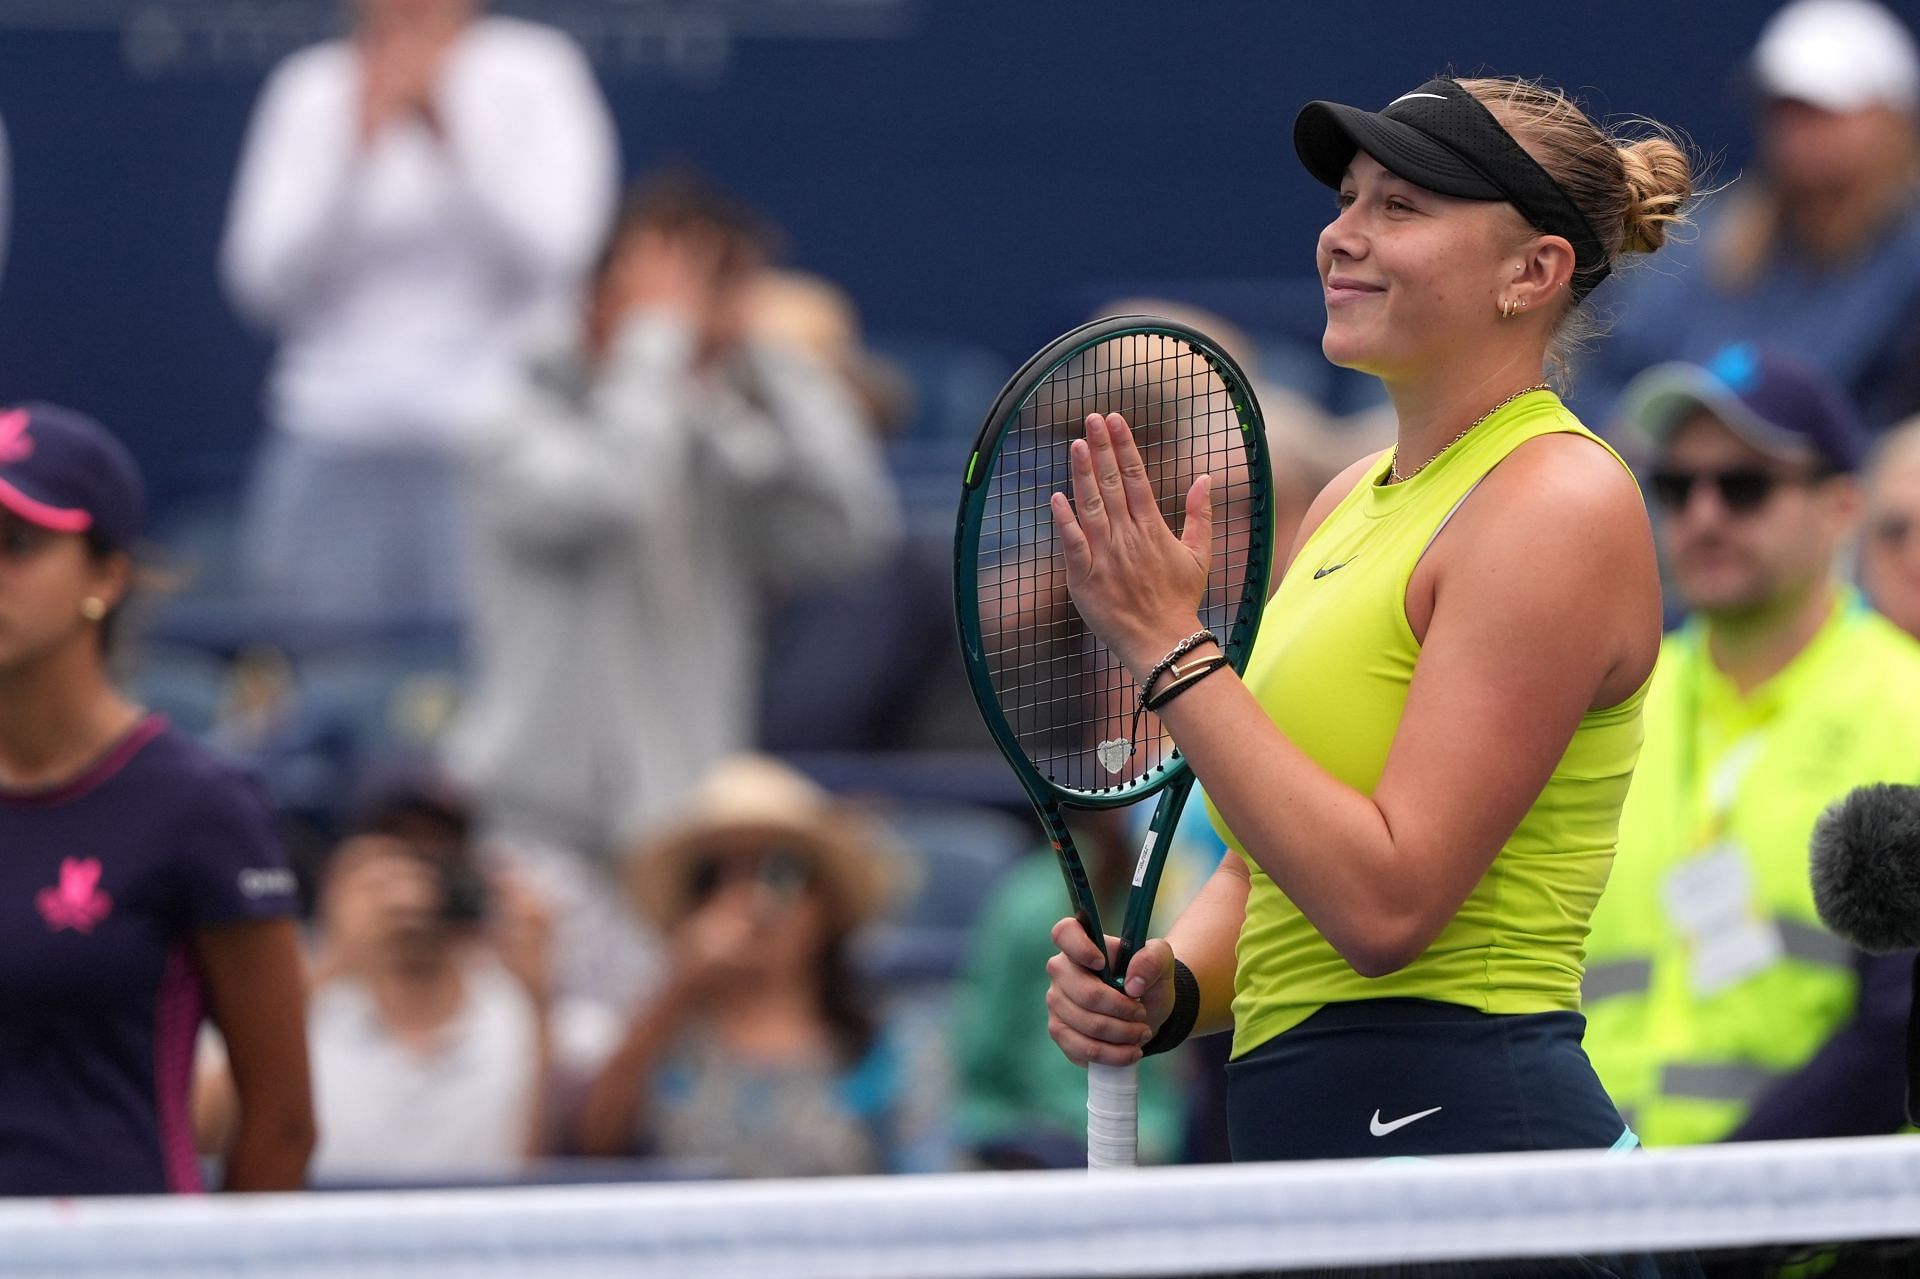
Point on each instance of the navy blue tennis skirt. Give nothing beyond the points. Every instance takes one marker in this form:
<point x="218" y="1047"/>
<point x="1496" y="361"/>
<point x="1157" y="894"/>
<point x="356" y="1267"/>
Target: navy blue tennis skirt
<point x="1409" y="1078"/>
<point x="1392" y="1078"/>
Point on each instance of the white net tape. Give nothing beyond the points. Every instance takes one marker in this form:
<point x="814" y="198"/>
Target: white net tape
<point x="1150" y="1222"/>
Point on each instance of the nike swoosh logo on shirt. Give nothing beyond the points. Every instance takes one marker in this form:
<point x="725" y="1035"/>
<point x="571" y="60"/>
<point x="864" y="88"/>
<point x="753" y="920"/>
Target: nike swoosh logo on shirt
<point x="1333" y="568"/>
<point x="1379" y="1129"/>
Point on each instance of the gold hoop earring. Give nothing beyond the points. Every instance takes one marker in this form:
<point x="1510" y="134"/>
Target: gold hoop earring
<point x="93" y="608"/>
<point x="1506" y="308"/>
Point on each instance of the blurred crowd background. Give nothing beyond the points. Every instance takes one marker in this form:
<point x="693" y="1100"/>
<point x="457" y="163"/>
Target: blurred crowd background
<point x="553" y="418"/>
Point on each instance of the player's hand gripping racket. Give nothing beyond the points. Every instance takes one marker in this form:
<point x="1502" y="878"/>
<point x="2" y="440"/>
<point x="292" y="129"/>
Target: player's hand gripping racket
<point x="1066" y="713"/>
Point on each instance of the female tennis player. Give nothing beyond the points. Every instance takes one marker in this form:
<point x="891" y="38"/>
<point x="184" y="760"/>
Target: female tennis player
<point x="1423" y="767"/>
<point x="140" y="879"/>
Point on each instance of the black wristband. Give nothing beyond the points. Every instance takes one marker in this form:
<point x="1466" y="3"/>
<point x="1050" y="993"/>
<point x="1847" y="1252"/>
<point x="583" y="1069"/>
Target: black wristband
<point x="1186" y="1010"/>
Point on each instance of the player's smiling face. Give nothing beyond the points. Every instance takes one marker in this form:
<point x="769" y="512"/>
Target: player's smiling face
<point x="1410" y="276"/>
<point x="45" y="580"/>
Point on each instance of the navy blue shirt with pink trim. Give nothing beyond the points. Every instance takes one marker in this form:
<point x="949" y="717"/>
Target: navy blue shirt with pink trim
<point x="104" y="882"/>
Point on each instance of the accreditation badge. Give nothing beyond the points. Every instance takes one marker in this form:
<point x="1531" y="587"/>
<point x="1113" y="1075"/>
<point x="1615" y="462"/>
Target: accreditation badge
<point x="1711" y="902"/>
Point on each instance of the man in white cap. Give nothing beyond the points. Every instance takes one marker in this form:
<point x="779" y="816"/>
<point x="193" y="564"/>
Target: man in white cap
<point x="1817" y="249"/>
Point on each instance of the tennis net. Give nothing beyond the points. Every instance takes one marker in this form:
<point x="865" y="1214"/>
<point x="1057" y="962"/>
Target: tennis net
<point x="1823" y="1210"/>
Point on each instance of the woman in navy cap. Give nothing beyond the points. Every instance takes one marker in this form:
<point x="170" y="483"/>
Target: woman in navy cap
<point x="141" y="885"/>
<point x="1421" y="771"/>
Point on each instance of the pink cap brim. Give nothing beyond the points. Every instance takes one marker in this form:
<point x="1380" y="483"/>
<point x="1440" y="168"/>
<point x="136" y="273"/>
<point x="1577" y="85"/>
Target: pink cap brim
<point x="59" y="519"/>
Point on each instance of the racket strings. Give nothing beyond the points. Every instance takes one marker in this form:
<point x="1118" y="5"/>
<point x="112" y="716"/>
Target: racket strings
<point x="1062" y="693"/>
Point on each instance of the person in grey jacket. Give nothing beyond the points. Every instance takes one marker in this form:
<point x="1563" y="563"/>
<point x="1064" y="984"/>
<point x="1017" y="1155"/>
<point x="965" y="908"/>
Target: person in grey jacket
<point x="656" y="476"/>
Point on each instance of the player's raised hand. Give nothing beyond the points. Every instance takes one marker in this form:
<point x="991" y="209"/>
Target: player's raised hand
<point x="1136" y="584"/>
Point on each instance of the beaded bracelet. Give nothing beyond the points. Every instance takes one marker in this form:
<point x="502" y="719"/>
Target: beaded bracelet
<point x="1180" y="650"/>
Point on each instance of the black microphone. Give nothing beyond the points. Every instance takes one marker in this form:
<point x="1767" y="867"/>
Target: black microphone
<point x="1866" y="868"/>
<point x="1865" y="854"/>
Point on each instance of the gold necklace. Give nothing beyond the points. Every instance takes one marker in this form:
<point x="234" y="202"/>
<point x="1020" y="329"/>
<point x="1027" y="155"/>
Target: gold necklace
<point x="1393" y="467"/>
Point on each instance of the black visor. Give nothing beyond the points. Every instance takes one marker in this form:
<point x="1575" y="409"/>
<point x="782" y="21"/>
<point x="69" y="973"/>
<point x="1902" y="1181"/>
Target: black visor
<point x="1443" y="138"/>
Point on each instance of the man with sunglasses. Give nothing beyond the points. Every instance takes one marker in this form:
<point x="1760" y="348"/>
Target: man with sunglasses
<point x="1718" y="1006"/>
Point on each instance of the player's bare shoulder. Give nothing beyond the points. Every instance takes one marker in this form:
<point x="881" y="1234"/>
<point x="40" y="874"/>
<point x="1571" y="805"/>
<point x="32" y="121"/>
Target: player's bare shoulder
<point x="1565" y="487"/>
<point x="1566" y="521"/>
<point x="1560" y="521"/>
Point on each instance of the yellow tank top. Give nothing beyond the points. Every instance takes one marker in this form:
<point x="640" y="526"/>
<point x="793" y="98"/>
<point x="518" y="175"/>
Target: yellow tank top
<point x="1332" y="667"/>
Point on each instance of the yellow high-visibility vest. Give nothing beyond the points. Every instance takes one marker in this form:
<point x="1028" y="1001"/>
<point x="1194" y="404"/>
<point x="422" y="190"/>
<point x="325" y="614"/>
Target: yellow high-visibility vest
<point x="1709" y="977"/>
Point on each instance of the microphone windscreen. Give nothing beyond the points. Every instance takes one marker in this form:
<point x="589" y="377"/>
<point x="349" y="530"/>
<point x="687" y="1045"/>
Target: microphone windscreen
<point x="1865" y="856"/>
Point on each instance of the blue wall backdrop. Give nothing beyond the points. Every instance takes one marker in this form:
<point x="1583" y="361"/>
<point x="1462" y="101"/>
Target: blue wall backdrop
<point x="966" y="167"/>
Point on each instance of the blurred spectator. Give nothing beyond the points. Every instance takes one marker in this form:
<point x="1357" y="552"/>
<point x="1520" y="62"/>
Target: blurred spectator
<point x="1890" y="551"/>
<point x="1718" y="1005"/>
<point x="429" y="1017"/>
<point x="759" y="1050"/>
<point x="796" y="311"/>
<point x="1819" y="251"/>
<point x="654" y="476"/>
<point x="408" y="198"/>
<point x="140" y="882"/>
<point x="909" y="689"/>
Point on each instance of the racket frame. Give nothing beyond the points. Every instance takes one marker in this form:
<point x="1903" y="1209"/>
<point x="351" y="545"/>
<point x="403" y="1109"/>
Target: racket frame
<point x="1172" y="778"/>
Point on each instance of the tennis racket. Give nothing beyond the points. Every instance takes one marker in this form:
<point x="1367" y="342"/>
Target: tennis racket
<point x="1064" y="712"/>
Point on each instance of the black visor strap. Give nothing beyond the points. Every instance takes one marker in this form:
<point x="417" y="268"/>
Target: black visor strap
<point x="1484" y="143"/>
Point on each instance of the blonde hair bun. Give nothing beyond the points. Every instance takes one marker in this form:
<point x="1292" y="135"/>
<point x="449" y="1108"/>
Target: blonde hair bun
<point x="1659" y="177"/>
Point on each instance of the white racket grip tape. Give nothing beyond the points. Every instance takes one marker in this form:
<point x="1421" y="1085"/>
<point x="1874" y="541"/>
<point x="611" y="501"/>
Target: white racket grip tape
<point x="1113" y="1116"/>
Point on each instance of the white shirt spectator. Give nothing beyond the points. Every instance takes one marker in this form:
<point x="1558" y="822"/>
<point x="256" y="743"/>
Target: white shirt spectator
<point x="399" y="273"/>
<point x="387" y="1110"/>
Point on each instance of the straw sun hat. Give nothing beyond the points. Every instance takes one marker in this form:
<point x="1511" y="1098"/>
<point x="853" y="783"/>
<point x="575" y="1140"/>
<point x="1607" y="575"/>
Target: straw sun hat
<point x="749" y="796"/>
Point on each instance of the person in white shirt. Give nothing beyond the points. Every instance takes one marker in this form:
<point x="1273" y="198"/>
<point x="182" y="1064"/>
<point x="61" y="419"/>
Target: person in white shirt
<point x="434" y="1010"/>
<point x="409" y="198"/>
<point x="430" y="1011"/>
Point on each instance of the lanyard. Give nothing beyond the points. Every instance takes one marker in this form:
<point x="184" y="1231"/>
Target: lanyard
<point x="1723" y="784"/>
<point x="1698" y="829"/>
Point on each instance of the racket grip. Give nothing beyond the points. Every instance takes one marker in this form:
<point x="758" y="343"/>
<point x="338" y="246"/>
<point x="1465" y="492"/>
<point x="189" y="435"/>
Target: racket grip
<point x="1113" y="1116"/>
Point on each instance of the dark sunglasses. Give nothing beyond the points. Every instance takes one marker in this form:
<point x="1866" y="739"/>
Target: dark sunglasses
<point x="1741" y="489"/>
<point x="785" y="871"/>
<point x="1895" y="529"/>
